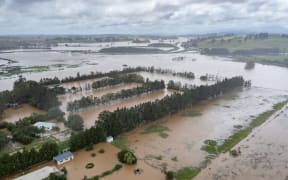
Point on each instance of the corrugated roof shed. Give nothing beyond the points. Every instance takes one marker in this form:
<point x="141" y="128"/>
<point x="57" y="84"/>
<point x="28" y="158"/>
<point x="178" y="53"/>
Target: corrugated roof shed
<point x="63" y="156"/>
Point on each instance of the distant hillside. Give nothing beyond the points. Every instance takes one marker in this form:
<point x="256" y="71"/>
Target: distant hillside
<point x="262" y="48"/>
<point x="132" y="50"/>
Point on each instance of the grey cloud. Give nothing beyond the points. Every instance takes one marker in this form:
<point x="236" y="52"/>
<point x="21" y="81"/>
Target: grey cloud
<point x="149" y="16"/>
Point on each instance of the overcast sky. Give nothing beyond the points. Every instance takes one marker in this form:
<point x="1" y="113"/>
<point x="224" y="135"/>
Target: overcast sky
<point x="142" y="16"/>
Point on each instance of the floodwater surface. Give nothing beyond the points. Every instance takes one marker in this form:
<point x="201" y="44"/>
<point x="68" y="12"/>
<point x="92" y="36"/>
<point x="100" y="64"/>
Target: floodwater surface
<point x="214" y="119"/>
<point x="14" y="114"/>
<point x="263" y="154"/>
<point x="261" y="76"/>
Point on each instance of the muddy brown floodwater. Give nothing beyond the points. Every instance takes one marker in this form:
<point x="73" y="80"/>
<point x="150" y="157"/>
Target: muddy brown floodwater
<point x="215" y="120"/>
<point x="103" y="162"/>
<point x="14" y="114"/>
<point x="263" y="154"/>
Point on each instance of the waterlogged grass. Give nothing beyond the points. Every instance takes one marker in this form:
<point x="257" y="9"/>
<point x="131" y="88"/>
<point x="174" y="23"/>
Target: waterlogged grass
<point x="73" y="66"/>
<point x="121" y="143"/>
<point x="150" y="156"/>
<point x="191" y="113"/>
<point x="211" y="146"/>
<point x="174" y="159"/>
<point x="160" y="130"/>
<point x="63" y="145"/>
<point x="186" y="173"/>
<point x="117" y="167"/>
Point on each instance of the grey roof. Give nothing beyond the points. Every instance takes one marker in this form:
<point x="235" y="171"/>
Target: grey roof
<point x="63" y="156"/>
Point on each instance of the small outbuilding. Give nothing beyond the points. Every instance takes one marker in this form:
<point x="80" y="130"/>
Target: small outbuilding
<point x="109" y="139"/>
<point x="46" y="125"/>
<point x="64" y="157"/>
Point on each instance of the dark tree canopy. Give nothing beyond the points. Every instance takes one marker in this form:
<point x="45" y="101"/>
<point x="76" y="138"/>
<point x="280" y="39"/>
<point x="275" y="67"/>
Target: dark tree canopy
<point x="75" y="122"/>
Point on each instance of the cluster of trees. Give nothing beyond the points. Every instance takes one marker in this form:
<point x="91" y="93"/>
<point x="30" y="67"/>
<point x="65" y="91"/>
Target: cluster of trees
<point x="58" y="89"/>
<point x="125" y="119"/>
<point x="127" y="157"/>
<point x="30" y="92"/>
<point x="3" y="140"/>
<point x="84" y="102"/>
<point x="152" y="69"/>
<point x="22" y="160"/>
<point x="249" y="65"/>
<point x="23" y="130"/>
<point x="178" y="86"/>
<point x="75" y="122"/>
<point x="125" y="78"/>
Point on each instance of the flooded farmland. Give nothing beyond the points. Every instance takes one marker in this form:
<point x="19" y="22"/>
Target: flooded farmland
<point x="14" y="114"/>
<point x="261" y="76"/>
<point x="263" y="154"/>
<point x="185" y="131"/>
<point x="90" y="115"/>
<point x="102" y="162"/>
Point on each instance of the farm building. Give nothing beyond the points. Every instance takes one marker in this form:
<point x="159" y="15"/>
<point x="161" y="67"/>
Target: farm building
<point x="64" y="157"/>
<point x="39" y="174"/>
<point x="45" y="125"/>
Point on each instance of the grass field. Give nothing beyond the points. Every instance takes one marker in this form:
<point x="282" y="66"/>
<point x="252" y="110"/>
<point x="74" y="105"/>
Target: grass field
<point x="239" y="43"/>
<point x="235" y="43"/>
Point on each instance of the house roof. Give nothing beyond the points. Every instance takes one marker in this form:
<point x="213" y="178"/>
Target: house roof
<point x="44" y="124"/>
<point x="63" y="156"/>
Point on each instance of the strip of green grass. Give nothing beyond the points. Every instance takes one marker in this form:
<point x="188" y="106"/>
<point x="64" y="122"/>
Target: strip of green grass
<point x="191" y="113"/>
<point x="186" y="173"/>
<point x="160" y="130"/>
<point x="121" y="143"/>
<point x="211" y="146"/>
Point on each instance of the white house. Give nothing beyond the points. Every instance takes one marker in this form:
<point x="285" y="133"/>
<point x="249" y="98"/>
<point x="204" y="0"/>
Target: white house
<point x="39" y="174"/>
<point x="45" y="125"/>
<point x="109" y="139"/>
<point x="64" y="157"/>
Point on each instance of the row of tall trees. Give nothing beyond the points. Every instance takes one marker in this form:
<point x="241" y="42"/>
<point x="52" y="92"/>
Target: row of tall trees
<point x="152" y="69"/>
<point x="92" y="75"/>
<point x="125" y="119"/>
<point x="123" y="78"/>
<point x="113" y="74"/>
<point x="85" y="102"/>
<point x="19" y="161"/>
<point x="177" y="85"/>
